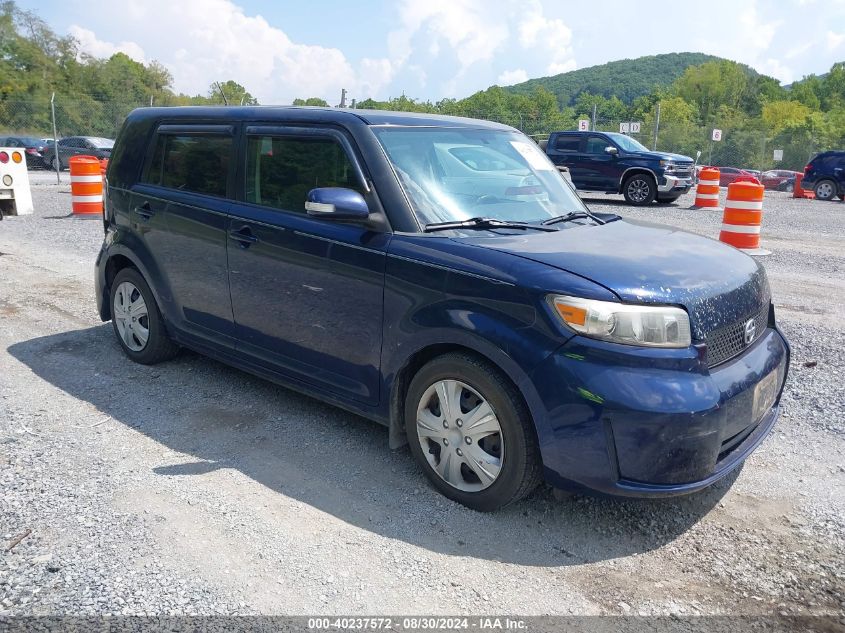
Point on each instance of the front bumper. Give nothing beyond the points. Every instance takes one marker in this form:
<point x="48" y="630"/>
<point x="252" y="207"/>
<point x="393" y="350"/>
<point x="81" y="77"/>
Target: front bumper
<point x="652" y="423"/>
<point x="674" y="184"/>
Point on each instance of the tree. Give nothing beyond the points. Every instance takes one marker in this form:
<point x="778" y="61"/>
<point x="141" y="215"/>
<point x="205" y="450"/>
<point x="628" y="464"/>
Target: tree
<point x="713" y="86"/>
<point x="311" y="101"/>
<point x="235" y="93"/>
<point x="780" y="115"/>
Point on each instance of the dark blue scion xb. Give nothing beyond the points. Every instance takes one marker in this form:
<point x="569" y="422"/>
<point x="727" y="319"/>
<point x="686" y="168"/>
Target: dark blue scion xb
<point x="439" y="276"/>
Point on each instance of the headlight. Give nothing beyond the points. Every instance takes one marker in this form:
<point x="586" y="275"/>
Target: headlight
<point x="649" y="326"/>
<point x="668" y="165"/>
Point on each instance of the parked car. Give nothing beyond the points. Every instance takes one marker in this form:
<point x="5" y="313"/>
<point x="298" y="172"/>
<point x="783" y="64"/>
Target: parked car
<point x="506" y="335"/>
<point x="33" y="149"/>
<point x="779" y="179"/>
<point x="728" y="174"/>
<point x="78" y="146"/>
<point x="616" y="163"/>
<point x="825" y="175"/>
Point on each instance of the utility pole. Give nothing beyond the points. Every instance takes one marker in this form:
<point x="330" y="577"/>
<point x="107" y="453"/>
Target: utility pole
<point x="222" y="94"/>
<point x="342" y="98"/>
<point x="594" y="118"/>
<point x="55" y="139"/>
<point x="656" y="126"/>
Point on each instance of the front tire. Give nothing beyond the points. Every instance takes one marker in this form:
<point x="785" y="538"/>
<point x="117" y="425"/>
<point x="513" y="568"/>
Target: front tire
<point x="639" y="190"/>
<point x="137" y="321"/>
<point x="471" y="433"/>
<point x="825" y="190"/>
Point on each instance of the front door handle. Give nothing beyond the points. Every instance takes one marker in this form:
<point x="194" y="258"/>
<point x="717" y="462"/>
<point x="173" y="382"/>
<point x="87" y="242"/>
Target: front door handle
<point x="243" y="237"/>
<point x="144" y="211"/>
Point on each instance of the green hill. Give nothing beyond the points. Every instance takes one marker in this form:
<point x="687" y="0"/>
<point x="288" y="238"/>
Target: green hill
<point x="626" y="79"/>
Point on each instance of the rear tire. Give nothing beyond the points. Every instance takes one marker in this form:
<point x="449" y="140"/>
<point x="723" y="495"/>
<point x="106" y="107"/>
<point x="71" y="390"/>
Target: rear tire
<point x="639" y="190"/>
<point x="482" y="439"/>
<point x="825" y="190"/>
<point x="137" y="321"/>
<point x="53" y="165"/>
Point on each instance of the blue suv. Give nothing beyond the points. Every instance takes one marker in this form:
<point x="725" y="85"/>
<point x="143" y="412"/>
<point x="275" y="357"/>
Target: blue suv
<point x="825" y="175"/>
<point x="437" y="275"/>
<point x="617" y="163"/>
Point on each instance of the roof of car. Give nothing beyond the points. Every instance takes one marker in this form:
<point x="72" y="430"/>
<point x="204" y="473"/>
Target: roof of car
<point x="370" y="117"/>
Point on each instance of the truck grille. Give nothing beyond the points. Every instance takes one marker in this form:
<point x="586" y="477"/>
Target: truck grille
<point x="729" y="341"/>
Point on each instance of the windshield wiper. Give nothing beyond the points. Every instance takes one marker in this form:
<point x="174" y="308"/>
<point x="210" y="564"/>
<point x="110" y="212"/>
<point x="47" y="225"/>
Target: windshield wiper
<point x="574" y="215"/>
<point x="484" y="223"/>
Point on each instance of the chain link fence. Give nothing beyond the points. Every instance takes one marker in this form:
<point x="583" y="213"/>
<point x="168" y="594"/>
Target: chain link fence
<point x="83" y="115"/>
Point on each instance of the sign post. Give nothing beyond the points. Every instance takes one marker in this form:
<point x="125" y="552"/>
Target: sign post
<point x="715" y="136"/>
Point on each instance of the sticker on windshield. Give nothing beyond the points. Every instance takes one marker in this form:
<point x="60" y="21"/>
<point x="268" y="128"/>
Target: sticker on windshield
<point x="530" y="152"/>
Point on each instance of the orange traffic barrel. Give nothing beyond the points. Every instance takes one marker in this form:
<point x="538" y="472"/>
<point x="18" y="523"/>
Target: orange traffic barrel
<point x="707" y="191"/>
<point x="798" y="191"/>
<point x="743" y="217"/>
<point x="104" y="165"/>
<point x="86" y="185"/>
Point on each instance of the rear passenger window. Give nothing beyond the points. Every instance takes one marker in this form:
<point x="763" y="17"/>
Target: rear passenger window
<point x="281" y="170"/>
<point x="199" y="164"/>
<point x="567" y="143"/>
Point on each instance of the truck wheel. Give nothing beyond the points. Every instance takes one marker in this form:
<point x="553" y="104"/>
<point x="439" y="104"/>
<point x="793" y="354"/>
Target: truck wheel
<point x="471" y="433"/>
<point x="825" y="190"/>
<point x="639" y="189"/>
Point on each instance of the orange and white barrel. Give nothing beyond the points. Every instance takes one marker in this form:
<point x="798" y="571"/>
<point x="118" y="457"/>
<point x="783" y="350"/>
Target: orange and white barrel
<point x="86" y="186"/>
<point x="743" y="217"/>
<point x="707" y="191"/>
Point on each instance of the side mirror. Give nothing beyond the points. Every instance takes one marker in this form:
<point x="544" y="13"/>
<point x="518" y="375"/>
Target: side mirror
<point x="611" y="150"/>
<point x="336" y="203"/>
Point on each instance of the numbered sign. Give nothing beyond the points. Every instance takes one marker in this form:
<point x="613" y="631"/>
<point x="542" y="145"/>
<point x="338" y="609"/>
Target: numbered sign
<point x="635" y="127"/>
<point x="778" y="155"/>
<point x="717" y="135"/>
<point x="583" y="125"/>
<point x="624" y="128"/>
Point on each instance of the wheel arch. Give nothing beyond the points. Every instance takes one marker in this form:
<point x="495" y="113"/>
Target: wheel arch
<point x="416" y="360"/>
<point x="119" y="258"/>
<point x="632" y="171"/>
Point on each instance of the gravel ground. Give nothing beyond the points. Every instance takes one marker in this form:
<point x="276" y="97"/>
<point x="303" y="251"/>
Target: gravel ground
<point x="193" y="488"/>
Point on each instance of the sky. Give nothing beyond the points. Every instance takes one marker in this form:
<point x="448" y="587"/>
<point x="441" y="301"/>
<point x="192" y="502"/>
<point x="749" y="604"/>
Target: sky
<point x="431" y="49"/>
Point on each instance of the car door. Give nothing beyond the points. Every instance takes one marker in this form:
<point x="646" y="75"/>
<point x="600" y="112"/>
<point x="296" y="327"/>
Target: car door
<point x="179" y="213"/>
<point x="307" y="293"/>
<point x="566" y="152"/>
<point x="599" y="168"/>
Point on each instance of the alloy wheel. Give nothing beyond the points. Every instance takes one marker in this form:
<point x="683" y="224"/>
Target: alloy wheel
<point x="460" y="435"/>
<point x="131" y="316"/>
<point x="638" y="190"/>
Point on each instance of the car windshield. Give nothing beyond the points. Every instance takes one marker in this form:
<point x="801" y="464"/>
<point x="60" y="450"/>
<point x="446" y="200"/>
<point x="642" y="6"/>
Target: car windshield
<point x="627" y="143"/>
<point x="453" y="174"/>
<point x="101" y="143"/>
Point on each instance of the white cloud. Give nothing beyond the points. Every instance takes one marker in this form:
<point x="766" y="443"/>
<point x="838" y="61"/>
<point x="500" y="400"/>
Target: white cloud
<point x="834" y="40"/>
<point x="200" y="41"/>
<point x="90" y="44"/>
<point x="511" y="77"/>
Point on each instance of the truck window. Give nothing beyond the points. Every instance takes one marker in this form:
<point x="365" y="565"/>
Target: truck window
<point x="596" y="145"/>
<point x="281" y="170"/>
<point x="191" y="163"/>
<point x="567" y="143"/>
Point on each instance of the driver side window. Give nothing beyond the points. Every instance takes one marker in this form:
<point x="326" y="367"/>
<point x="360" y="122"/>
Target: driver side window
<point x="596" y="145"/>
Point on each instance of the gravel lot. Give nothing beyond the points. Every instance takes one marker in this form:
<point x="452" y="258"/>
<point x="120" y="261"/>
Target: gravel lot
<point x="193" y="488"/>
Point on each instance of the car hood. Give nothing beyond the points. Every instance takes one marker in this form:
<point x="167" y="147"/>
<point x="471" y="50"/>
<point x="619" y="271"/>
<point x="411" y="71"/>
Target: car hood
<point x="650" y="263"/>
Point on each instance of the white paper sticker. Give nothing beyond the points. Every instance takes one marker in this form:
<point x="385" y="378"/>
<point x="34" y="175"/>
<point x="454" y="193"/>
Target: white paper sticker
<point x="535" y="157"/>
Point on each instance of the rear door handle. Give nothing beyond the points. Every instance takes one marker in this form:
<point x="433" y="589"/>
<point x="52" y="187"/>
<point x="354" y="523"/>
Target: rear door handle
<point x="144" y="211"/>
<point x="243" y="237"/>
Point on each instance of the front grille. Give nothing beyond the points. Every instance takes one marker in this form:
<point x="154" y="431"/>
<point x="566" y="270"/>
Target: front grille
<point x="683" y="170"/>
<point x="729" y="341"/>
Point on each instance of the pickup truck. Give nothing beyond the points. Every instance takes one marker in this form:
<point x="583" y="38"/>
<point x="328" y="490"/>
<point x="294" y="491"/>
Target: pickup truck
<point x="616" y="163"/>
